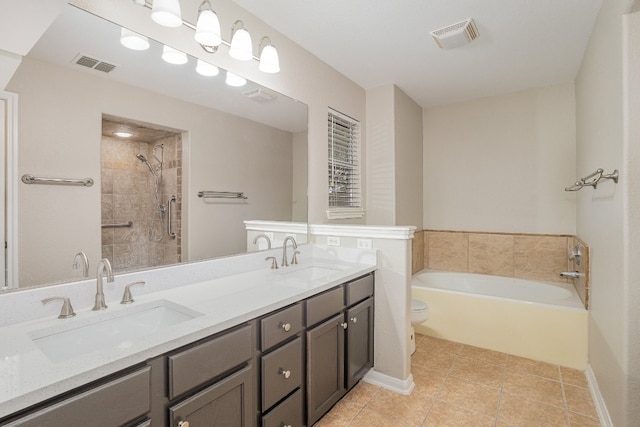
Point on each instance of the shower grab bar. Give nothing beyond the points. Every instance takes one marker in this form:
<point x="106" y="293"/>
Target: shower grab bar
<point x="118" y="225"/>
<point x="170" y="231"/>
<point x="222" y="194"/>
<point x="30" y="179"/>
<point x="593" y="179"/>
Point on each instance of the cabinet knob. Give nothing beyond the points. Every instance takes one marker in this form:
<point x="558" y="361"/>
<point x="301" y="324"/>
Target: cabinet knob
<point x="285" y="326"/>
<point x="285" y="373"/>
<point x="344" y="325"/>
<point x="183" y="423"/>
<point x="354" y="319"/>
<point x="285" y="425"/>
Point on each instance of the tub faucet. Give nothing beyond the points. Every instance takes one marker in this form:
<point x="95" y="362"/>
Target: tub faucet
<point x="81" y="256"/>
<point x="284" y="249"/>
<point x="571" y="274"/>
<point x="103" y="265"/>
<point x="265" y="237"/>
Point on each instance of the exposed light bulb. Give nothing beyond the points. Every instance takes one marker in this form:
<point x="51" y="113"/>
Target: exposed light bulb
<point x="241" y="46"/>
<point x="133" y="40"/>
<point x="206" y="69"/>
<point x="173" y="56"/>
<point x="166" y="13"/>
<point x="234" y="80"/>
<point x="208" y="26"/>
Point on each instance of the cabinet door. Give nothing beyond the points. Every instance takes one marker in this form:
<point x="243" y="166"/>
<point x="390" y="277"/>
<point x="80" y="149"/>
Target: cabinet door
<point x="359" y="357"/>
<point x="227" y="403"/>
<point x="325" y="367"/>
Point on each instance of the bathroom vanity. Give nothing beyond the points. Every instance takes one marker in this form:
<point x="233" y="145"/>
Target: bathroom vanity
<point x="268" y="348"/>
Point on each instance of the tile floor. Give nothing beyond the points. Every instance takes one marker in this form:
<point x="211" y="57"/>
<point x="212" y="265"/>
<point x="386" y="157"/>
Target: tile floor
<point x="461" y="385"/>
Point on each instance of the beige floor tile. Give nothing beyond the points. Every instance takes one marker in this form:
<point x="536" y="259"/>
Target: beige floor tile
<point x="579" y="400"/>
<point x="369" y="418"/>
<point x="533" y="367"/>
<point x="534" y="387"/>
<point x="433" y="360"/>
<point x="579" y="420"/>
<point x="483" y="355"/>
<point x="573" y="377"/>
<point x="517" y="410"/>
<point x="361" y="394"/>
<point x="340" y="415"/>
<point x="408" y="410"/>
<point x="471" y="396"/>
<point x="432" y="344"/>
<point x="478" y="371"/>
<point x="444" y="415"/>
<point x="428" y="382"/>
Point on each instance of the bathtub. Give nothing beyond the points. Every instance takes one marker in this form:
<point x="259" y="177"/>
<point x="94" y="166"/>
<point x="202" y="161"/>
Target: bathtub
<point x="537" y="320"/>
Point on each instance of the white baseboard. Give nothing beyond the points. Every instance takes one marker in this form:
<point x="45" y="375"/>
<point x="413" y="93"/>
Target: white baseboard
<point x="390" y="383"/>
<point x="598" y="400"/>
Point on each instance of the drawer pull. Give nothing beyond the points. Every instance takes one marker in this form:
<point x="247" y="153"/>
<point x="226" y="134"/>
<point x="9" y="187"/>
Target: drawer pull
<point x="285" y="326"/>
<point x="285" y="425"/>
<point x="344" y="325"/>
<point x="183" y="423"/>
<point x="286" y="374"/>
<point x="354" y="319"/>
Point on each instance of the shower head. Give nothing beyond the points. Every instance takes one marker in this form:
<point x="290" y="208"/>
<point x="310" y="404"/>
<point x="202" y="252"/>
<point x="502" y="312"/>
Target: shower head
<point x="144" y="160"/>
<point x="141" y="158"/>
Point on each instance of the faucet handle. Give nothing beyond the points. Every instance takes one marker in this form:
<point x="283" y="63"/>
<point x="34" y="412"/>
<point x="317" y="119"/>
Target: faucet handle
<point x="67" y="309"/>
<point x="274" y="262"/>
<point x="127" y="298"/>
<point x="294" y="259"/>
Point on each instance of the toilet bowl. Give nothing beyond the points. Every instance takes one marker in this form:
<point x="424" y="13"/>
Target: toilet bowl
<point x="419" y="314"/>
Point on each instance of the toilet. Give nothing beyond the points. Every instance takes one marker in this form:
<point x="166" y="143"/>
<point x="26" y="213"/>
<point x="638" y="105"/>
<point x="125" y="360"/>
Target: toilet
<point x="419" y="314"/>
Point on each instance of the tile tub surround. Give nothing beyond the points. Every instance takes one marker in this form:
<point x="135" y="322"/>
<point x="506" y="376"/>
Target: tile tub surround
<point x="458" y="384"/>
<point x="538" y="257"/>
<point x="227" y="291"/>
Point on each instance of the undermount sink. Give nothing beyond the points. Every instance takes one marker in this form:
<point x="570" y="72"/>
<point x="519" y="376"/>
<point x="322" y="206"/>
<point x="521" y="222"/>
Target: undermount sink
<point x="119" y="329"/>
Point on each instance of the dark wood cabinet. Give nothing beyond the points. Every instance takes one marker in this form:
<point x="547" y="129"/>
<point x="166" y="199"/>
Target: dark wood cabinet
<point x="359" y="356"/>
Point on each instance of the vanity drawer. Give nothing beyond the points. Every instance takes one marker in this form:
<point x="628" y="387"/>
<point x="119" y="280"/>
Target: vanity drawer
<point x="280" y="326"/>
<point x="325" y="305"/>
<point x="288" y="413"/>
<point x="112" y="404"/>
<point x="359" y="289"/>
<point x="282" y="372"/>
<point x="199" y="364"/>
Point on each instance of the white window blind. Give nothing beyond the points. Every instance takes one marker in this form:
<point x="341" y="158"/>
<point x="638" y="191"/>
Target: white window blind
<point x="344" y="162"/>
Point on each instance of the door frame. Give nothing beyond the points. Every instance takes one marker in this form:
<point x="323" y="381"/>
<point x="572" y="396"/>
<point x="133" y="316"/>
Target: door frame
<point x="8" y="181"/>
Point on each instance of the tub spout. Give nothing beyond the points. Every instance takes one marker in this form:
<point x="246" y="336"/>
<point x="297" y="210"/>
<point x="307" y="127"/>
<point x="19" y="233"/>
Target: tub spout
<point x="571" y="274"/>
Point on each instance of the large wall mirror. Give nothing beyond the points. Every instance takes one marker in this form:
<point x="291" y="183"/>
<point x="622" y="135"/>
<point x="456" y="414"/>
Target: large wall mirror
<point x="77" y="89"/>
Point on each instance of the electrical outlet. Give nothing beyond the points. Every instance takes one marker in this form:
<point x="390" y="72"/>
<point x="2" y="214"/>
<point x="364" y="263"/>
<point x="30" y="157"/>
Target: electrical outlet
<point x="333" y="241"/>
<point x="364" y="243"/>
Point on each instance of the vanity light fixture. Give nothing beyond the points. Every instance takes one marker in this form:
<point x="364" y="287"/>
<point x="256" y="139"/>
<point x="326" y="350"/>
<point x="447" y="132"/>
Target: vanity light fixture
<point x="241" y="46"/>
<point x="166" y="13"/>
<point x="206" y="69"/>
<point x="235" y="80"/>
<point x="208" y="26"/>
<point x="269" y="61"/>
<point x="173" y="56"/>
<point x="133" y="40"/>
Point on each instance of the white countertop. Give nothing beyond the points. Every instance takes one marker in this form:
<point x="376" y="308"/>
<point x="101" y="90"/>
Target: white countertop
<point x="27" y="376"/>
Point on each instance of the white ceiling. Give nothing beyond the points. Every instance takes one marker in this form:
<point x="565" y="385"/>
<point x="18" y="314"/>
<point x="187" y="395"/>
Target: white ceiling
<point x="523" y="44"/>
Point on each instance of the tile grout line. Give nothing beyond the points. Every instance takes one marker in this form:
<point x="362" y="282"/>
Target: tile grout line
<point x="564" y="398"/>
<point x="504" y="376"/>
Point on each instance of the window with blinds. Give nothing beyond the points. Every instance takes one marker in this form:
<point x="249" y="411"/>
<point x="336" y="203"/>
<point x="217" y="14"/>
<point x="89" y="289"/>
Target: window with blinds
<point x="344" y="163"/>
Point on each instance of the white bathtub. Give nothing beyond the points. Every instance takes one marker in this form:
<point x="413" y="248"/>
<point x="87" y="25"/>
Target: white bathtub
<point x="538" y="320"/>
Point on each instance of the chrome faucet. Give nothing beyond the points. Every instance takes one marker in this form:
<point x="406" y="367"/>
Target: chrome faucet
<point x="284" y="249"/>
<point x="265" y="237"/>
<point x="571" y="274"/>
<point x="81" y="256"/>
<point x="103" y="265"/>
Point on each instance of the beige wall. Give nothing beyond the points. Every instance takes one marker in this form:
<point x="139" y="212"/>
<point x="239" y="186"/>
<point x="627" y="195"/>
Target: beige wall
<point x="600" y="213"/>
<point x="220" y="154"/>
<point x="501" y="163"/>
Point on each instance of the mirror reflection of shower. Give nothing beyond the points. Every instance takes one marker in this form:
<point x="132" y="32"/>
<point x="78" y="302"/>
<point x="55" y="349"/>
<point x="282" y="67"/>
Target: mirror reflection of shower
<point x="141" y="195"/>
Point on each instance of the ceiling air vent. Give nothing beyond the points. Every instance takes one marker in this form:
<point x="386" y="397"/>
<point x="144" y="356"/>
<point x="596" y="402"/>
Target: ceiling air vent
<point x="456" y="35"/>
<point x="93" y="63"/>
<point x="260" y="95"/>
